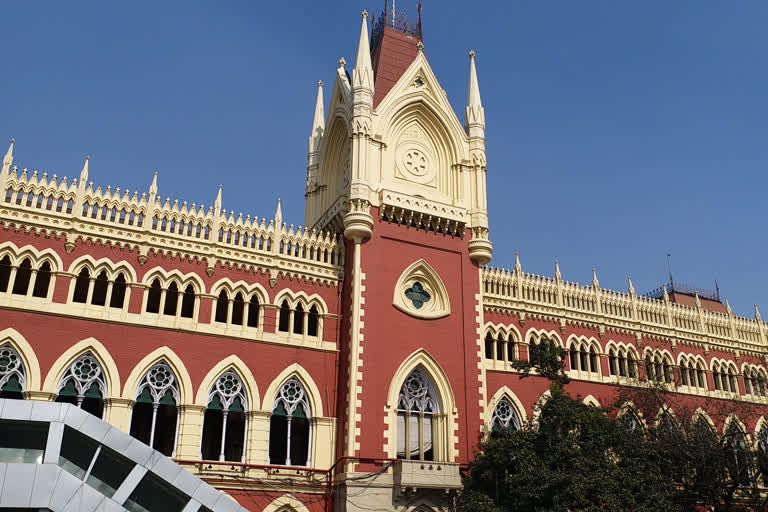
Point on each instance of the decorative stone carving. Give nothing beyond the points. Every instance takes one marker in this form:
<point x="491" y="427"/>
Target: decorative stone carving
<point x="420" y="292"/>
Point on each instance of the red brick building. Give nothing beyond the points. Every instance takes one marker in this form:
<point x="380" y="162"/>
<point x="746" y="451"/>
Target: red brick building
<point x="354" y="363"/>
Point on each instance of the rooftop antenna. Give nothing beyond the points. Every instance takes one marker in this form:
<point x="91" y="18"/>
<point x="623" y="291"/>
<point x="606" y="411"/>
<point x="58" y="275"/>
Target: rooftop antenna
<point x="394" y="8"/>
<point x="669" y="269"/>
<point x="717" y="290"/>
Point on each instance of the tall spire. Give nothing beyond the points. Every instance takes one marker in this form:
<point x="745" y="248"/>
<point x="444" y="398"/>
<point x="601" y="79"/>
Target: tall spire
<point x="217" y="203"/>
<point x="362" y="76"/>
<point x="318" y="122"/>
<point x="630" y="286"/>
<point x="153" y="187"/>
<point x="278" y="215"/>
<point x="518" y="266"/>
<point x="84" y="173"/>
<point x="8" y="160"/>
<point x="474" y="117"/>
<point x="558" y="276"/>
<point x="595" y="282"/>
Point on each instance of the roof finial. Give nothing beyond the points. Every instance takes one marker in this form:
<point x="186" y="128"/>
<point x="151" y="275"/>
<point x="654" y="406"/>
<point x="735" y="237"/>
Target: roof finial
<point x="418" y="10"/>
<point x="728" y="307"/>
<point x="278" y="215"/>
<point x="362" y="76"/>
<point x="318" y="121"/>
<point x="595" y="282"/>
<point x="698" y="301"/>
<point x="666" y="295"/>
<point x="630" y="286"/>
<point x="84" y="172"/>
<point x="757" y="314"/>
<point x="8" y="160"/>
<point x="557" y="270"/>
<point x="342" y="63"/>
<point x="474" y="116"/>
<point x="518" y="267"/>
<point x="217" y="203"/>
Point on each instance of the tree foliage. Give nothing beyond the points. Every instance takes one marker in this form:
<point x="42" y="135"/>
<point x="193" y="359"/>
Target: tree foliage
<point x="576" y="457"/>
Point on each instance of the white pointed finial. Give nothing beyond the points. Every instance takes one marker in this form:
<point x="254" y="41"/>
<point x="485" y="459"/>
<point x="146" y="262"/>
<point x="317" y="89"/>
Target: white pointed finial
<point x="698" y="301"/>
<point x="630" y="286"/>
<point x="342" y="63"/>
<point x="362" y="76"/>
<point x="728" y="307"/>
<point x="518" y="267"/>
<point x="84" y="172"/>
<point x="666" y="295"/>
<point x="8" y="159"/>
<point x="557" y="271"/>
<point x="474" y="116"/>
<point x="318" y="121"/>
<point x="217" y="203"/>
<point x="757" y="314"/>
<point x="153" y="186"/>
<point x="278" y="215"/>
<point x="595" y="282"/>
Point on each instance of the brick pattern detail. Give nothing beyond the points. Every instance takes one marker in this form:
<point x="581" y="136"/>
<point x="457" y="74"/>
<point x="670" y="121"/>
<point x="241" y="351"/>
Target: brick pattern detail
<point x="391" y="57"/>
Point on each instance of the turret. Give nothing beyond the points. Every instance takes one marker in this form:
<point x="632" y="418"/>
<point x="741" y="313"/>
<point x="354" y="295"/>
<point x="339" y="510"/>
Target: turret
<point x="362" y="76"/>
<point x="8" y="159"/>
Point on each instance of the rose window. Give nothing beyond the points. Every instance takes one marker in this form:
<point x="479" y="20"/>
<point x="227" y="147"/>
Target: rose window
<point x="417" y="295"/>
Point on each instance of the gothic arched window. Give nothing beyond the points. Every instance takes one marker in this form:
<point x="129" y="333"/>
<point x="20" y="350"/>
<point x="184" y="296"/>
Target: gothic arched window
<point x="285" y="317"/>
<point x="629" y="420"/>
<point x="762" y="451"/>
<point x="154" y="419"/>
<point x="290" y="428"/>
<point x="188" y="302"/>
<point x="83" y="385"/>
<point x="5" y="273"/>
<point x="504" y="417"/>
<point x="222" y="305"/>
<point x="42" y="281"/>
<point x="118" y="292"/>
<point x="224" y="424"/>
<point x="82" y="283"/>
<point x="23" y="275"/>
<point x="11" y="374"/>
<point x="253" y="311"/>
<point x="738" y="457"/>
<point x="416" y="408"/>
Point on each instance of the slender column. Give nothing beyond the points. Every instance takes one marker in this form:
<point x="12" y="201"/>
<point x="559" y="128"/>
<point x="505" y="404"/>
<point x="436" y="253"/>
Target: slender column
<point x="407" y="435"/>
<point x="91" y="281"/>
<point x="162" y="301"/>
<point x="421" y="435"/>
<point x="288" y="449"/>
<point x="108" y="299"/>
<point x="223" y="433"/>
<point x="229" y="311"/>
<point x="155" y="405"/>
<point x="11" y="279"/>
<point x="32" y="280"/>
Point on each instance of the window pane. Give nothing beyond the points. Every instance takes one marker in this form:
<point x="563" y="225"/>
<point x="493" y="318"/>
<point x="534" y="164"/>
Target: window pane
<point x="77" y="451"/>
<point x="22" y="441"/>
<point x="109" y="471"/>
<point x="156" y="495"/>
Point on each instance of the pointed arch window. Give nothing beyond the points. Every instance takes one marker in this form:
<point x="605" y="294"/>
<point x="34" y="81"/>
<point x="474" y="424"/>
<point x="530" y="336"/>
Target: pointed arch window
<point x="224" y="424"/>
<point x="154" y="297"/>
<point x="738" y="457"/>
<point x="84" y="385"/>
<point x="118" y="292"/>
<point x="42" y="280"/>
<point x="762" y="451"/>
<point x="298" y="319"/>
<point x="171" y="299"/>
<point x="5" y="273"/>
<point x="82" y="283"/>
<point x="416" y="409"/>
<point x="504" y="417"/>
<point x="154" y="419"/>
<point x="630" y="420"/>
<point x="188" y="302"/>
<point x="23" y="275"/>
<point x="222" y="305"/>
<point x="285" y="317"/>
<point x="100" y="286"/>
<point x="313" y="319"/>
<point x="12" y="378"/>
<point x="238" y="309"/>
<point x="253" y="311"/>
<point x="290" y="429"/>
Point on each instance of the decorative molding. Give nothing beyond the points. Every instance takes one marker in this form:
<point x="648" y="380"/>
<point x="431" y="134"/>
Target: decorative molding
<point x="421" y="279"/>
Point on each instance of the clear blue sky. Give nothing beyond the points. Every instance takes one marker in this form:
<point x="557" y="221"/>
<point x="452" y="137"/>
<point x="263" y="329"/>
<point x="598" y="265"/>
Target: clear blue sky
<point x="617" y="131"/>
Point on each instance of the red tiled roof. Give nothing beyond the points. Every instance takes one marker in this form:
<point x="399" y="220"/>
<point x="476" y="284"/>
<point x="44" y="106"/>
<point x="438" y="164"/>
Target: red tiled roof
<point x="391" y="57"/>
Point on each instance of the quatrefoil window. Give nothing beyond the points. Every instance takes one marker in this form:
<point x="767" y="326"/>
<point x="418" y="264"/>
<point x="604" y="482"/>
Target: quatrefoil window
<point x="418" y="295"/>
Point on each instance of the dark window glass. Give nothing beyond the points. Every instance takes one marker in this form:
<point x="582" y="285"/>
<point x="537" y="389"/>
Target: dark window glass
<point x="141" y="420"/>
<point x="171" y="300"/>
<point x="156" y="495"/>
<point x="298" y="320"/>
<point x="238" y="309"/>
<point x="77" y="451"/>
<point x="188" y="302"/>
<point x="22" y="441"/>
<point x="312" y="321"/>
<point x="118" y="292"/>
<point x="222" y="303"/>
<point x="99" y="297"/>
<point x="488" y="347"/>
<point x="165" y="428"/>
<point x="81" y="286"/>
<point x="285" y="317"/>
<point x="278" y="438"/>
<point x="42" y="280"/>
<point x="235" y="437"/>
<point x="253" y="312"/>
<point x="12" y="388"/>
<point x="5" y="273"/>
<point x="213" y="422"/>
<point x="23" y="275"/>
<point x="153" y="299"/>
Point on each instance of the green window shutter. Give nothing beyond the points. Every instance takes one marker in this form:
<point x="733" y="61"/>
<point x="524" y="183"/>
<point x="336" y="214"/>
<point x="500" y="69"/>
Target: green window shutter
<point x="215" y="403"/>
<point x="299" y="412"/>
<point x="279" y="410"/>
<point x="167" y="398"/>
<point x="93" y="391"/>
<point x="12" y="385"/>
<point x="145" y="397"/>
<point x="237" y="405"/>
<point x="68" y="389"/>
